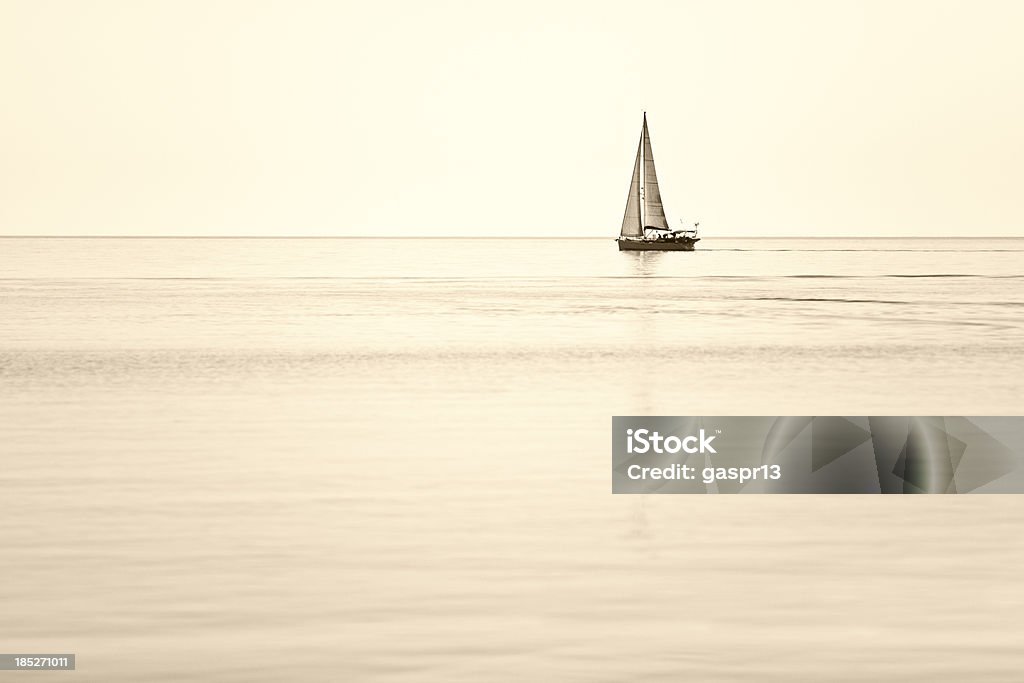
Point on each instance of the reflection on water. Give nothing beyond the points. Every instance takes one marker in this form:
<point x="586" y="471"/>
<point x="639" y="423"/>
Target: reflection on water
<point x="259" y="460"/>
<point x="644" y="263"/>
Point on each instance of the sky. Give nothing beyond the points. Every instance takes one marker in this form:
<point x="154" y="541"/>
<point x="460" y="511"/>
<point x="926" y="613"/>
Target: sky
<point x="251" y="117"/>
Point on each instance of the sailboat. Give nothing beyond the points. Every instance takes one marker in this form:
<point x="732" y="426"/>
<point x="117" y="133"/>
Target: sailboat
<point x="644" y="226"/>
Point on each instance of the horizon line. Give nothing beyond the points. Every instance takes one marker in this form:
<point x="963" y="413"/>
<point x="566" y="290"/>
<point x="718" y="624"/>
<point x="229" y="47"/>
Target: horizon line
<point x="500" y="237"/>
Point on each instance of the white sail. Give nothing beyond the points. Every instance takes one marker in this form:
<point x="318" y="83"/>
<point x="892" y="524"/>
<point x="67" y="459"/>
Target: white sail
<point x="654" y="212"/>
<point x="631" y="226"/>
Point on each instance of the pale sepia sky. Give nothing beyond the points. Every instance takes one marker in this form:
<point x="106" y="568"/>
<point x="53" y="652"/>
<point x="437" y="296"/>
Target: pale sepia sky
<point x="252" y="117"/>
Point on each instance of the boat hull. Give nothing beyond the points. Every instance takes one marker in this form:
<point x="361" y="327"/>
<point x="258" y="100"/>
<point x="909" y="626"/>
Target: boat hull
<point x="685" y="244"/>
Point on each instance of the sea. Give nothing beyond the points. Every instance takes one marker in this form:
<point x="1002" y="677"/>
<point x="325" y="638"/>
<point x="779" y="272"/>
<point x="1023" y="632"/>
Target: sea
<point x="389" y="459"/>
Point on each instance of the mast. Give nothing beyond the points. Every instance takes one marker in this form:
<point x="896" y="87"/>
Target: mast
<point x="639" y="191"/>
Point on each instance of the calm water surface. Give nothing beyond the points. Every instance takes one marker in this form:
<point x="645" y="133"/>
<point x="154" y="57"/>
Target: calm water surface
<point x="353" y="459"/>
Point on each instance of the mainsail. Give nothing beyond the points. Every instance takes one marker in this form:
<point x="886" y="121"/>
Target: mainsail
<point x="631" y="226"/>
<point x="654" y="212"/>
